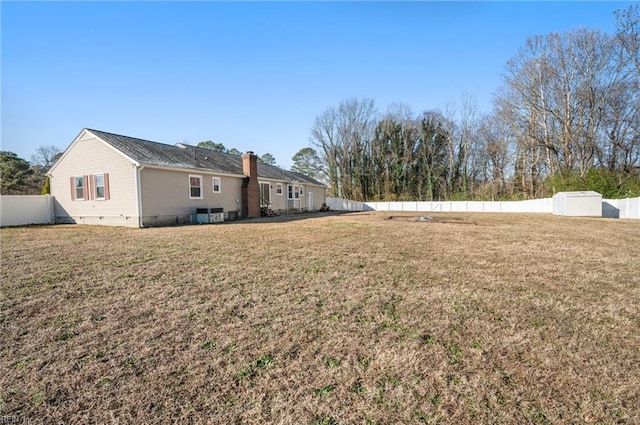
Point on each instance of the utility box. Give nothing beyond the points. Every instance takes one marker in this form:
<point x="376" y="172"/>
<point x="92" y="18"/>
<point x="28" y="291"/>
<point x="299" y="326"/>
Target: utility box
<point x="578" y="204"/>
<point x="209" y="215"/>
<point x="202" y="216"/>
<point x="216" y="215"/>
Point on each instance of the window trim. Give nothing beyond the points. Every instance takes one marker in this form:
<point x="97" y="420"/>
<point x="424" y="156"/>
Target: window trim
<point x="82" y="179"/>
<point x="261" y="187"/>
<point x="199" y="177"/>
<point x="213" y="184"/>
<point x="279" y="189"/>
<point x="95" y="187"/>
<point x="89" y="189"/>
<point x="293" y="191"/>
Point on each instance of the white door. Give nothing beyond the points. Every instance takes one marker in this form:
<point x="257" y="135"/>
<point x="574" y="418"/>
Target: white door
<point x="309" y="201"/>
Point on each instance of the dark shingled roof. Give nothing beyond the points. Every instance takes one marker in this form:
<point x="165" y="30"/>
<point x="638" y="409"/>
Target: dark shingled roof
<point x="193" y="158"/>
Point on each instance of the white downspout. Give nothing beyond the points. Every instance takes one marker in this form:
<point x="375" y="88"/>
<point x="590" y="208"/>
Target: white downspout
<point x="139" y="168"/>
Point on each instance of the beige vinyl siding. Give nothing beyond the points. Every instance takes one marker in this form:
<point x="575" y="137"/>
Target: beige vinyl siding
<point x="283" y="204"/>
<point x="279" y="202"/>
<point x="318" y="196"/>
<point x="89" y="156"/>
<point x="165" y="195"/>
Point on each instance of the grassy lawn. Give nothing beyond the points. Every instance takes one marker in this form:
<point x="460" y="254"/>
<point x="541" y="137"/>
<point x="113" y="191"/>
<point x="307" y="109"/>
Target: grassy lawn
<point x="361" y="318"/>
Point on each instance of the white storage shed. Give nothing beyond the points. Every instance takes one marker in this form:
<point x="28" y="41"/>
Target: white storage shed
<point x="578" y="204"/>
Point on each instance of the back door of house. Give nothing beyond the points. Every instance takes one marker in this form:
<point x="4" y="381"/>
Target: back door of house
<point x="265" y="193"/>
<point x="293" y="196"/>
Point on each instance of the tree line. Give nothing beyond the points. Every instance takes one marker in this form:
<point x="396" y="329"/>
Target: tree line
<point x="266" y="158"/>
<point x="21" y="177"/>
<point x="567" y="117"/>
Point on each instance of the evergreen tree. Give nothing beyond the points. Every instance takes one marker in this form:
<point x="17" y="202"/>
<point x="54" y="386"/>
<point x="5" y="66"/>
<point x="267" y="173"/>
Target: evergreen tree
<point x="14" y="172"/>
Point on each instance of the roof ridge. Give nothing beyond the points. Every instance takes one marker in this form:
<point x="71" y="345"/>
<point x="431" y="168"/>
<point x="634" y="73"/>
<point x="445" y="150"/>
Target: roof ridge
<point x="127" y="137"/>
<point x="177" y="144"/>
<point x="212" y="150"/>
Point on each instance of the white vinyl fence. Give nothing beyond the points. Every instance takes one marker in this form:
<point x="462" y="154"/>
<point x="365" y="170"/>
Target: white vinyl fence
<point x="339" y="204"/>
<point x="20" y="210"/>
<point x="611" y="208"/>
<point x="621" y="208"/>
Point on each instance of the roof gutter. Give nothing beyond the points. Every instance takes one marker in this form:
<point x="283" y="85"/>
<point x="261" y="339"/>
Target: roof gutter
<point x="137" y="167"/>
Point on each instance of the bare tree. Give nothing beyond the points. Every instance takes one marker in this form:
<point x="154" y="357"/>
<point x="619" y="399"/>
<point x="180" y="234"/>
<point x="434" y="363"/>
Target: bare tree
<point x="569" y="108"/>
<point x="342" y="136"/>
<point x="628" y="35"/>
<point x="623" y="103"/>
<point x="45" y="156"/>
<point x="324" y="136"/>
<point x="41" y="161"/>
<point x="496" y="150"/>
<point x="466" y="164"/>
<point x="555" y="96"/>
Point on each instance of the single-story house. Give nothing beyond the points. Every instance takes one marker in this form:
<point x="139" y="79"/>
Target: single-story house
<point x="105" y="178"/>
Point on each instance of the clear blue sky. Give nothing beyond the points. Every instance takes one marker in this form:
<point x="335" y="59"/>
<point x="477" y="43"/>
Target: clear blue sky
<point x="252" y="75"/>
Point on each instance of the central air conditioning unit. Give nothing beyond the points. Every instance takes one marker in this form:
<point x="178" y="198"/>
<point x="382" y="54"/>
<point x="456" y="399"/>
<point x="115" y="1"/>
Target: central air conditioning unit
<point x="202" y="216"/>
<point x="216" y="215"/>
<point x="209" y="215"/>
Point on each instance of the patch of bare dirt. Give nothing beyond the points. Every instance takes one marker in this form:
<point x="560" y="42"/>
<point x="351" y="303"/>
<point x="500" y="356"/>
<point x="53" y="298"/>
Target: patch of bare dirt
<point x="429" y="219"/>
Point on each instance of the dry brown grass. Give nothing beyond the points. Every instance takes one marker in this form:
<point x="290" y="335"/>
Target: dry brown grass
<point x="351" y="319"/>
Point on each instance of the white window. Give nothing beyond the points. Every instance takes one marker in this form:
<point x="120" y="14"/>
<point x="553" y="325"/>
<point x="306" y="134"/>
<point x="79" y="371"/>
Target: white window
<point x="216" y="182"/>
<point x="278" y="188"/>
<point x="79" y="187"/>
<point x="98" y="184"/>
<point x="90" y="187"/>
<point x="195" y="187"/>
<point x="297" y="192"/>
<point x="290" y="192"/>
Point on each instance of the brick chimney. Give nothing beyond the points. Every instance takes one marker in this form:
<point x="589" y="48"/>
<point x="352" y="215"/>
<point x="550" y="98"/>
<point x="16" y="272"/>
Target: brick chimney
<point x="250" y="188"/>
